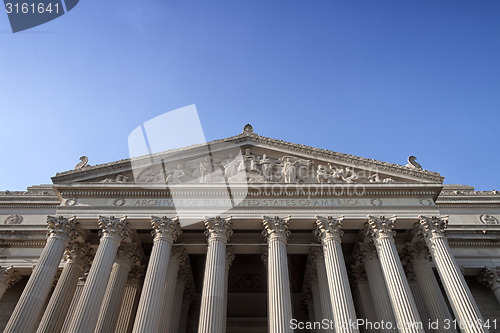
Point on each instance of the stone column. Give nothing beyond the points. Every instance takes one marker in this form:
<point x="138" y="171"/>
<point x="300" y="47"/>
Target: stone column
<point x="362" y="295"/>
<point x="433" y="298"/>
<point x="177" y="258"/>
<point x="463" y="304"/>
<point x="310" y="289"/>
<point x="278" y="283"/>
<point x="29" y="307"/>
<point x="212" y="298"/>
<point x="321" y="282"/>
<point x="113" y="231"/>
<point x="125" y="321"/>
<point x="182" y="280"/>
<point x="126" y="257"/>
<point x="307" y="298"/>
<point x="148" y="316"/>
<point x="229" y="260"/>
<point x="8" y="278"/>
<point x="404" y="306"/>
<point x="378" y="289"/>
<point x="77" y="256"/>
<point x="328" y="230"/>
<point x="490" y="277"/>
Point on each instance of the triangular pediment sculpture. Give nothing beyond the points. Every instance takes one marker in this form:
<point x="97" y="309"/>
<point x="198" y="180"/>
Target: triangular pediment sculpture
<point x="249" y="158"/>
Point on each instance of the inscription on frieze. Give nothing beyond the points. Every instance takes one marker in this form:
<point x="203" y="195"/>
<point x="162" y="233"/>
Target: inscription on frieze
<point x="291" y="202"/>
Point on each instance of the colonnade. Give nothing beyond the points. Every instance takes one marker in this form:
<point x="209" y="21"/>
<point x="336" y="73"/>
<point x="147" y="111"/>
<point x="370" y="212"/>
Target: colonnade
<point x="162" y="303"/>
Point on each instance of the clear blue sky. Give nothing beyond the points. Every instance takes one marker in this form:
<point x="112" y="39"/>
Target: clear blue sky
<point x="379" y="79"/>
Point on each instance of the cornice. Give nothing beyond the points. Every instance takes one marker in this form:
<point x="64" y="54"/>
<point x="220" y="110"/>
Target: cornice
<point x="130" y="190"/>
<point x="249" y="137"/>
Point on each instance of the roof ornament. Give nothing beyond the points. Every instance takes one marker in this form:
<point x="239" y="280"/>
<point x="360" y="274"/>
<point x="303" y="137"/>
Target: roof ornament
<point x="412" y="163"/>
<point x="83" y="163"/>
<point x="248" y="129"/>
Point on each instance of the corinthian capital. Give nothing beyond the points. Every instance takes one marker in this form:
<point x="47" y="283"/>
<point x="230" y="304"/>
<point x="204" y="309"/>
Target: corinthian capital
<point x="218" y="228"/>
<point x="128" y="255"/>
<point x="432" y="227"/>
<point x="366" y="251"/>
<point x="166" y="228"/>
<point x="179" y="255"/>
<point x="380" y="227"/>
<point x="490" y="277"/>
<point x="328" y="228"/>
<point x="417" y="251"/>
<point x="116" y="228"/>
<point x="276" y="228"/>
<point x="229" y="256"/>
<point x="79" y="253"/>
<point x="8" y="277"/>
<point x="64" y="228"/>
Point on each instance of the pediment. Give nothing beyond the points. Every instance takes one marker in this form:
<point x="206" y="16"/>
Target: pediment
<point x="250" y="158"/>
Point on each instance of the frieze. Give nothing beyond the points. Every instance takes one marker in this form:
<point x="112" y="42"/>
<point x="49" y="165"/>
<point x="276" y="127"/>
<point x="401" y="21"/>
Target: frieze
<point x="13" y="219"/>
<point x="291" y="202"/>
<point x="249" y="202"/>
<point x="488" y="219"/>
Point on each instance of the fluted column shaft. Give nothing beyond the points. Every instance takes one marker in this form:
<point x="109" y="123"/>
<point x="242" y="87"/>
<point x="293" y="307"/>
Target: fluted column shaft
<point x="113" y="298"/>
<point x="378" y="288"/>
<point x="77" y="257"/>
<point x="229" y="260"/>
<point x="459" y="294"/>
<point x="8" y="277"/>
<point x="113" y="231"/>
<point x="278" y="282"/>
<point x="318" y="308"/>
<point x="212" y="298"/>
<point x="177" y="258"/>
<point x="431" y="292"/>
<point x="150" y="304"/>
<point x="32" y="300"/>
<point x="177" y="308"/>
<point x="363" y="297"/>
<point x="323" y="288"/>
<point x="328" y="230"/>
<point x="403" y="304"/>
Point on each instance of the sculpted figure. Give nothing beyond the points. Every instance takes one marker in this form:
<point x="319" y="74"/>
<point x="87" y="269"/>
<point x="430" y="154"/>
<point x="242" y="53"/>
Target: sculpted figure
<point x="265" y="165"/>
<point x="375" y="178"/>
<point x="336" y="174"/>
<point x="350" y="175"/>
<point x="289" y="171"/>
<point x="230" y="167"/>
<point x="175" y="175"/>
<point x="204" y="170"/>
<point x="322" y="174"/>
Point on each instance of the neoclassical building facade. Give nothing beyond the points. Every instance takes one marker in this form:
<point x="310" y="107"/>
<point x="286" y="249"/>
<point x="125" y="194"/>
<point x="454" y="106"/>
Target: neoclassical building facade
<point x="249" y="234"/>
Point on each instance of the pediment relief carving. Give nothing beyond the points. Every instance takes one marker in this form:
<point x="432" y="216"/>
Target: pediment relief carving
<point x="249" y="165"/>
<point x="252" y="158"/>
